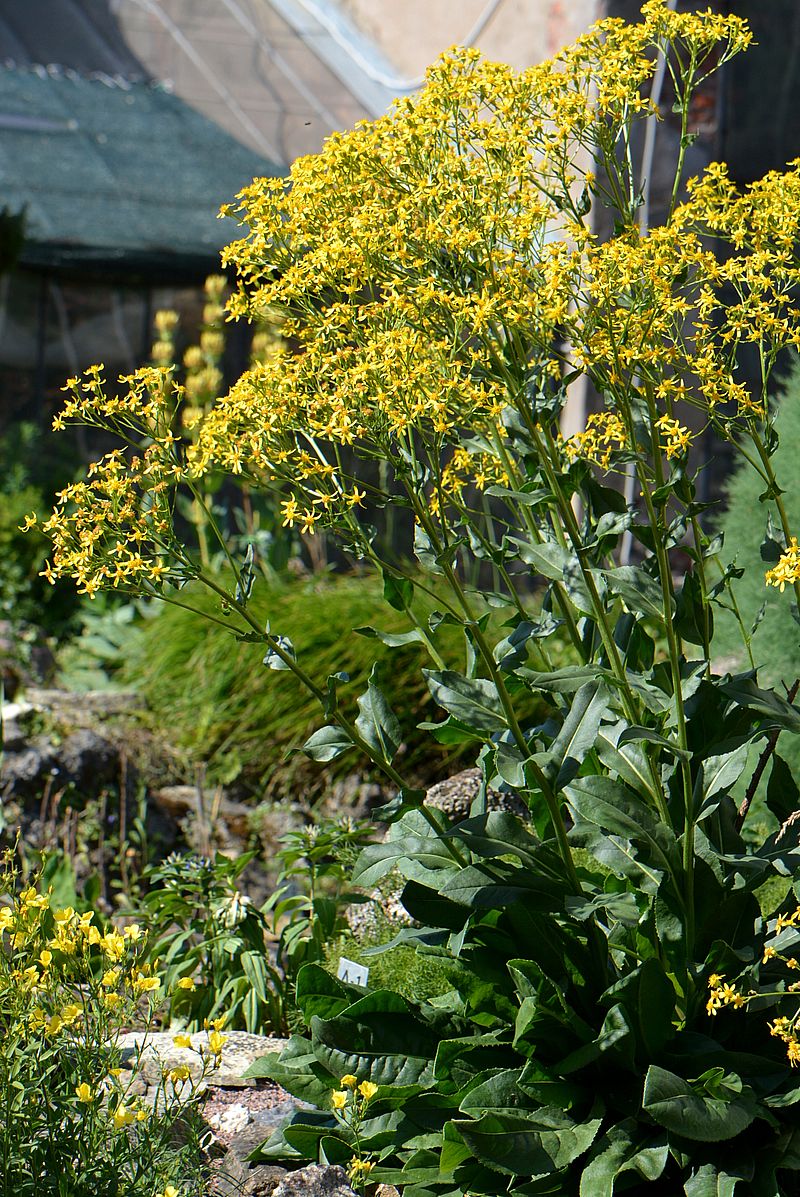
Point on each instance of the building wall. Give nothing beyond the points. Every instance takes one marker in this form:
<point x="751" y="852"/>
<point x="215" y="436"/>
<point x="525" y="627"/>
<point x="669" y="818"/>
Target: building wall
<point x="413" y="33"/>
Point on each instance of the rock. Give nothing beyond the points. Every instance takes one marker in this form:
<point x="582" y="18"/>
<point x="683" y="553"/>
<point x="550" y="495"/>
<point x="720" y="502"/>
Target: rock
<point x="456" y="794"/>
<point x="231" y="1120"/>
<point x="233" y="1178"/>
<point x="25" y="772"/>
<point x="180" y="801"/>
<point x="151" y="1053"/>
<point x="88" y="760"/>
<point x="315" y="1181"/>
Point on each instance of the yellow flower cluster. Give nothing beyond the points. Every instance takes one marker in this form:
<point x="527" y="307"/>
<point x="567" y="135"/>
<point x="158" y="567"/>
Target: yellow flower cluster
<point x="424" y="269"/>
<point x="785" y="572"/>
<point x="116" y="529"/>
<point x="603" y="436"/>
<point x="67" y="966"/>
<point x="786" y="1030"/>
<point x="722" y="993"/>
<point x="676" y="438"/>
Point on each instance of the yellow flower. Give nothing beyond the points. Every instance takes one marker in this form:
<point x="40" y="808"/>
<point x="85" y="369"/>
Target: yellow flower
<point x="338" y="1099"/>
<point x="349" y="1081"/>
<point x="186" y="983"/>
<point x="123" y="1116"/>
<point x="181" y="1072"/>
<point x="182" y="1040"/>
<point x="45" y="958"/>
<point x="216" y="1043"/>
<point x="84" y="1093"/>
<point x="785" y="573"/>
<point x="367" y="1090"/>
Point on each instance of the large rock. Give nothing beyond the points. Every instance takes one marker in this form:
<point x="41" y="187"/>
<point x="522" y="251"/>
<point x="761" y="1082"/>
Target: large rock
<point x="316" y="1180"/>
<point x="152" y="1053"/>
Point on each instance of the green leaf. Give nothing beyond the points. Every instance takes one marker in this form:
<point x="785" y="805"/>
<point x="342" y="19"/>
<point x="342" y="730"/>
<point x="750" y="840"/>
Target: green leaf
<point x="694" y="618"/>
<point x="640" y="593"/>
<point x="675" y="1105"/>
<point x="378" y="859"/>
<point x="473" y="701"/>
<point x="578" y="732"/>
<point x="321" y="994"/>
<point x="783" y="796"/>
<point x="709" y="1181"/>
<point x="621" y="1151"/>
<point x="546" y="1141"/>
<point x="391" y="639"/>
<point x="397" y="591"/>
<point x="549" y="560"/>
<point x="377" y="722"/>
<point x="327" y="743"/>
<point x="777" y="713"/>
<point x="616" y="811"/>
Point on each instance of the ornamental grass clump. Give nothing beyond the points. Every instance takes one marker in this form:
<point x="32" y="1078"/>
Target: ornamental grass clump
<point x="442" y="288"/>
<point x="72" y="1122"/>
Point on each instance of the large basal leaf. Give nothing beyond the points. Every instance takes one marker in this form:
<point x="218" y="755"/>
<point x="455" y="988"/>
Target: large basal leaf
<point x="649" y="999"/>
<point x="376" y="722"/>
<point x="378" y="1038"/>
<point x="297" y="1070"/>
<point x="622" y="1150"/>
<point x="543" y="1142"/>
<point x="500" y="833"/>
<point x="379" y="859"/>
<point x="675" y="1105"/>
<point x="473" y="701"/>
<point x="321" y="994"/>
<point x="502" y="884"/>
<point x="711" y="1181"/>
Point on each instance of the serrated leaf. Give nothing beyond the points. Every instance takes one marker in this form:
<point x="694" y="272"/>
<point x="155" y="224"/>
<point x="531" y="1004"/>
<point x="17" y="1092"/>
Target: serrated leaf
<point x="621" y="1151"/>
<point x="675" y="1105"/>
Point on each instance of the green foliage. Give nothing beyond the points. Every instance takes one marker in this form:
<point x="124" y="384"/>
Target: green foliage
<point x="199" y="682"/>
<point x="25" y="488"/>
<point x="212" y="945"/>
<point x="312" y="891"/>
<point x="765" y="613"/>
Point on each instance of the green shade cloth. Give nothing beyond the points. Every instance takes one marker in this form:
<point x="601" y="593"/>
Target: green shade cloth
<point x="115" y="173"/>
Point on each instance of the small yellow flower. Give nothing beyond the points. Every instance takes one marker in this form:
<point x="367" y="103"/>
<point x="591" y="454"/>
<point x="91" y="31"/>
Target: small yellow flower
<point x="45" y="958"/>
<point x="84" y="1093"/>
<point x="123" y="1116"/>
<point x="182" y="1041"/>
<point x="338" y="1099"/>
<point x="349" y="1081"/>
<point x="186" y="983"/>
<point x="367" y="1090"/>
<point x="181" y="1072"/>
<point x="216" y="1043"/>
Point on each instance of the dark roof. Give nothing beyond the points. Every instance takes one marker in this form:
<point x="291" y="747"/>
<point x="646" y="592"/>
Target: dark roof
<point x="114" y="171"/>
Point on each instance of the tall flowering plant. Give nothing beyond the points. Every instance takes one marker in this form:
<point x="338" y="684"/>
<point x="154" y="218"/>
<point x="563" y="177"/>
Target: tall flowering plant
<point x="627" y="1011"/>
